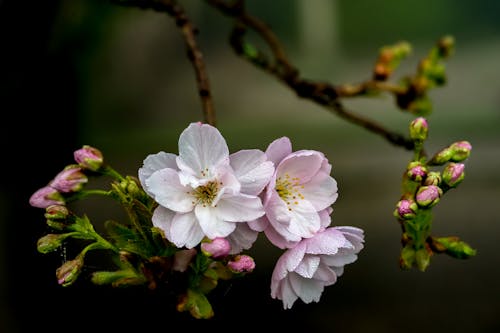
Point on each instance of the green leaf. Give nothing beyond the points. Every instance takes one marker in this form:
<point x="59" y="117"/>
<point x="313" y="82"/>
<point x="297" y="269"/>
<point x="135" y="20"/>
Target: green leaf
<point x="127" y="239"/>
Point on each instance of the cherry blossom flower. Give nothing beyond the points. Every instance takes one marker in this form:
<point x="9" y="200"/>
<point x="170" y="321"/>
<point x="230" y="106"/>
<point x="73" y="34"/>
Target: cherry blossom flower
<point x="298" y="195"/>
<point x="314" y="263"/>
<point x="204" y="192"/>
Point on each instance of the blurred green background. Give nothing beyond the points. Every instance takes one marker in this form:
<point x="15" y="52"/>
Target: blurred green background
<point x="90" y="72"/>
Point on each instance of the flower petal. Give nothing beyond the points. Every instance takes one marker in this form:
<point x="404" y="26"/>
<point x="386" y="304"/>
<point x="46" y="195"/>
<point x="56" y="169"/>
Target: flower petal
<point x="308" y="290"/>
<point x="155" y="162"/>
<point x="166" y="189"/>
<point x="308" y="266"/>
<point x="302" y="164"/>
<point x="321" y="191"/>
<point x="278" y="150"/>
<point x="326" y="242"/>
<point x="242" y="238"/>
<point x="185" y="231"/>
<point x="252" y="170"/>
<point x="304" y="220"/>
<point x="239" y="208"/>
<point x="213" y="225"/>
<point x="162" y="218"/>
<point x="201" y="149"/>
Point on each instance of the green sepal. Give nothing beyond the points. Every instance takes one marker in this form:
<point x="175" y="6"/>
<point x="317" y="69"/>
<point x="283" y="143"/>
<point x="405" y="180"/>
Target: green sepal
<point x="197" y="304"/>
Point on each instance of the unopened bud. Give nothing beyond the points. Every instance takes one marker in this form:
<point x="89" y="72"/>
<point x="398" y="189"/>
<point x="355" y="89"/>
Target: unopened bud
<point x="419" y="129"/>
<point x="407" y="257"/>
<point x="461" y="150"/>
<point x="428" y="196"/>
<point x="68" y="272"/>
<point x="71" y="179"/>
<point x="89" y="158"/>
<point x="241" y="264"/>
<point x="441" y="157"/>
<point x="453" y="174"/>
<point x="50" y="242"/>
<point x="433" y="178"/>
<point x="445" y="46"/>
<point x="45" y="197"/>
<point x="56" y="212"/>
<point x="416" y="171"/>
<point x="406" y="209"/>
<point x="453" y="246"/>
<point x="216" y="248"/>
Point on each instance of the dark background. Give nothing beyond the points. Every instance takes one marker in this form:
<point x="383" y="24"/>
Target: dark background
<point x="88" y="72"/>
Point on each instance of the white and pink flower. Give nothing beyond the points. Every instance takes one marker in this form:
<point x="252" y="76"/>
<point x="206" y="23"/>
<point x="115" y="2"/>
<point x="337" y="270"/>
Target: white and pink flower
<point x="204" y="192"/>
<point x="314" y="263"/>
<point x="299" y="195"/>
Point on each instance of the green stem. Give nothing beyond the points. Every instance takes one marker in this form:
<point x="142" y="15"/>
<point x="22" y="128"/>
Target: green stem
<point x="109" y="171"/>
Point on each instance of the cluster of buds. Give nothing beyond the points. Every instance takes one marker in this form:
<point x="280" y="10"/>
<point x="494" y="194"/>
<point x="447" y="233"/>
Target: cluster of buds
<point x="423" y="189"/>
<point x="430" y="74"/>
<point x="389" y="59"/>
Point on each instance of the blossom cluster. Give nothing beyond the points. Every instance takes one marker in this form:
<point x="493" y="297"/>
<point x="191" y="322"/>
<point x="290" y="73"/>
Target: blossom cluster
<point x="200" y="210"/>
<point x="423" y="188"/>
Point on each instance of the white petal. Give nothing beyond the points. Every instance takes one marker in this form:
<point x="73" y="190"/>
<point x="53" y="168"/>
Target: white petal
<point x="240" y="208"/>
<point x="162" y="218"/>
<point x="242" y="238"/>
<point x="202" y="148"/>
<point x="308" y="266"/>
<point x="212" y="224"/>
<point x="308" y="290"/>
<point x="259" y="224"/>
<point x="168" y="192"/>
<point x="325" y="274"/>
<point x="155" y="162"/>
<point x="281" y="239"/>
<point x="287" y="294"/>
<point x="304" y="220"/>
<point x="185" y="231"/>
<point x="252" y="170"/>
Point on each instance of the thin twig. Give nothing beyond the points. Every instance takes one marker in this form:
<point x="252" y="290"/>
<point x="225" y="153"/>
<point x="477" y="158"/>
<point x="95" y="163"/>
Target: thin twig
<point x="322" y="93"/>
<point x="172" y="8"/>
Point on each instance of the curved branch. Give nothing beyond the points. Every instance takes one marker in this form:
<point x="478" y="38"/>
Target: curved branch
<point x="172" y="8"/>
<point x="322" y="93"/>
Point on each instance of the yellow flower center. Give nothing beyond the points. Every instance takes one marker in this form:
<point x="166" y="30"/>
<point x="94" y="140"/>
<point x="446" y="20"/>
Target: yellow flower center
<point x="206" y="194"/>
<point x="288" y="189"/>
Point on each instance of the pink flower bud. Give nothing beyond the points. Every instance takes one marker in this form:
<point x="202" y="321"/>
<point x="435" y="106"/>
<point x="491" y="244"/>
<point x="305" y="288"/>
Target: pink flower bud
<point x="419" y="129"/>
<point x="416" y="171"/>
<point x="406" y="209"/>
<point x="428" y="196"/>
<point x="461" y="150"/>
<point x="89" y="158"/>
<point x="218" y="247"/>
<point x="71" y="179"/>
<point x="241" y="264"/>
<point x="45" y="197"/>
<point x="453" y="174"/>
<point x="441" y="157"/>
<point x="56" y="212"/>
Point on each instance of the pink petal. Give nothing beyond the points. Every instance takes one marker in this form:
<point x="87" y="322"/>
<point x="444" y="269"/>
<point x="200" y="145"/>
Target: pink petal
<point x="281" y="238"/>
<point x="326" y="242"/>
<point x="304" y="220"/>
<point x="302" y="164"/>
<point x="278" y="150"/>
<point x="308" y="290"/>
<point x="321" y="191"/>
